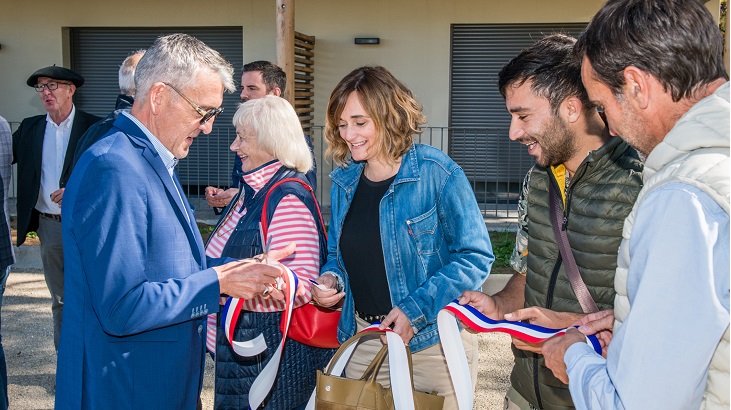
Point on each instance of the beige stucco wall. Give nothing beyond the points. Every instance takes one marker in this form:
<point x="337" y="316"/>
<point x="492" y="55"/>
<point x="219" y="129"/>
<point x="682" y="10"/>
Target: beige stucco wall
<point x="415" y="39"/>
<point x="414" y="36"/>
<point x="33" y="37"/>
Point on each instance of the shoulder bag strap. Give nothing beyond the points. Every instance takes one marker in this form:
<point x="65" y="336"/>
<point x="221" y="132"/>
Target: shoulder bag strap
<point x="572" y="271"/>
<point x="265" y="222"/>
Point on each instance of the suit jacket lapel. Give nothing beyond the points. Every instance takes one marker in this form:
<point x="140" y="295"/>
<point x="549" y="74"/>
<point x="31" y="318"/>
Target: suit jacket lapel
<point x="39" y="131"/>
<point x="192" y="237"/>
<point x="77" y="130"/>
<point x="181" y="208"/>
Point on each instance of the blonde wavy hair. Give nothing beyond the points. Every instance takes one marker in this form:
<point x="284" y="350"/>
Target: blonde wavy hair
<point x="395" y="112"/>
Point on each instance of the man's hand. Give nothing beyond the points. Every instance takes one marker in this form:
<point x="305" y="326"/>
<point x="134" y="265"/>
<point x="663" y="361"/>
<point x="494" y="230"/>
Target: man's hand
<point x="544" y="317"/>
<point x="57" y="196"/>
<point x="401" y="324"/>
<point x="600" y="324"/>
<point x="248" y="278"/>
<point x="218" y="198"/>
<point x="555" y="348"/>
<point x="541" y="317"/>
<point x="329" y="296"/>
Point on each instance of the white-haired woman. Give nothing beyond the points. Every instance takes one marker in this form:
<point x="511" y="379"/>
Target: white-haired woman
<point x="270" y="144"/>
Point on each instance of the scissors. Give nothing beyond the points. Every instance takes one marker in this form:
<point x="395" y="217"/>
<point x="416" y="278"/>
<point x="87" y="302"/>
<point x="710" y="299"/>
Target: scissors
<point x="263" y="258"/>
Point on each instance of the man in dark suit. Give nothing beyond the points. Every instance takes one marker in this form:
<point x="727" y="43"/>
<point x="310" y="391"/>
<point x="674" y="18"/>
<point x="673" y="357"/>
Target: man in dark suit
<point x="43" y="148"/>
<point x="124" y="102"/>
<point x="138" y="282"/>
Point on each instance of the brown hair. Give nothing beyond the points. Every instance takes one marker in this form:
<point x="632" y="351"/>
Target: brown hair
<point x="395" y="112"/>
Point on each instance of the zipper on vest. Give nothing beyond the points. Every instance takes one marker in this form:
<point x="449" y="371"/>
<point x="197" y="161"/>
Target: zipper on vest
<point x="536" y="386"/>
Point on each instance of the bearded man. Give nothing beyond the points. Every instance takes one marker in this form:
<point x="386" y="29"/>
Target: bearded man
<point x="597" y="177"/>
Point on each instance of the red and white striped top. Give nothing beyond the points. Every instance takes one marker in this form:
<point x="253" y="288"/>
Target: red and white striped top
<point x="291" y="222"/>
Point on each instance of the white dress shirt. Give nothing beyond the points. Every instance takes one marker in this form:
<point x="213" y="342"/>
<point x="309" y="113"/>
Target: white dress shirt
<point x="55" y="142"/>
<point x="167" y="157"/>
<point x="678" y="285"/>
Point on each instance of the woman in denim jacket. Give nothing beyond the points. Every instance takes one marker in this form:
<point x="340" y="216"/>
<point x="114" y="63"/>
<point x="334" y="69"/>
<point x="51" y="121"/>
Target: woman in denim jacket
<point x="406" y="234"/>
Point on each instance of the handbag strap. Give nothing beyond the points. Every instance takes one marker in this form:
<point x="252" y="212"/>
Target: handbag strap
<point x="398" y="359"/>
<point x="567" y="255"/>
<point x="265" y="222"/>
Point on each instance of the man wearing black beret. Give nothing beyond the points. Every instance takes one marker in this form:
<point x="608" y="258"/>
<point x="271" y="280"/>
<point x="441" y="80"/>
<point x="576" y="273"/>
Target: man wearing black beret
<point x="43" y="148"/>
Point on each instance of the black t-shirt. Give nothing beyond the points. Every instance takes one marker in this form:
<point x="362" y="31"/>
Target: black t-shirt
<point x="362" y="251"/>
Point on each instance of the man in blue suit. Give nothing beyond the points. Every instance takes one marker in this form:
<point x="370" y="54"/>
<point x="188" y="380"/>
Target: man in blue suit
<point x="137" y="283"/>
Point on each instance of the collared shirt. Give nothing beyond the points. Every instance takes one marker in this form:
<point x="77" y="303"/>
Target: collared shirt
<point x="55" y="142"/>
<point x="678" y="285"/>
<point x="167" y="157"/>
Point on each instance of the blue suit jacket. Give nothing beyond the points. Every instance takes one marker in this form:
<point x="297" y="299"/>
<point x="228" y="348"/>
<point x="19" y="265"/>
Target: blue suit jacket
<point x="137" y="287"/>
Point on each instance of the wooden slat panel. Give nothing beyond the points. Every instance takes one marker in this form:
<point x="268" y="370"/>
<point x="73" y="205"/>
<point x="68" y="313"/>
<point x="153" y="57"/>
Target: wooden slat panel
<point x="303" y="77"/>
<point x="302" y="44"/>
<point x="304" y="37"/>
<point x="304" y="61"/>
<point x="303" y="102"/>
<point x="301" y="52"/>
<point x="304" y="69"/>
<point x="299" y="86"/>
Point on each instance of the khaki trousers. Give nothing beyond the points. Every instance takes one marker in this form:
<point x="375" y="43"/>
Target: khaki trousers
<point x="430" y="367"/>
<point x="50" y="235"/>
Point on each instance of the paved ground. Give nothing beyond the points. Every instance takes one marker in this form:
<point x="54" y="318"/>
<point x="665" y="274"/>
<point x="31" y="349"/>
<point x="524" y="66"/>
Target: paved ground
<point x="28" y="341"/>
<point x="28" y="334"/>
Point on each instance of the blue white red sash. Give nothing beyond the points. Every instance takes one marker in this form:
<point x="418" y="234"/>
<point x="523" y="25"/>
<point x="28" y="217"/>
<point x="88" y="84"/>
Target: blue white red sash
<point x="230" y="315"/>
<point x="472" y="318"/>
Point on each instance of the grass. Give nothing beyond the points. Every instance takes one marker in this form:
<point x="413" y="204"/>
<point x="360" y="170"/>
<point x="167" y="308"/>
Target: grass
<point x="502" y="246"/>
<point x="205" y="230"/>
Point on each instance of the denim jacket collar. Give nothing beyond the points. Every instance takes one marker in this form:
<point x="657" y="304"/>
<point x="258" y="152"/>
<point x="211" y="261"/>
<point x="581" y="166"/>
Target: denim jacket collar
<point x="347" y="176"/>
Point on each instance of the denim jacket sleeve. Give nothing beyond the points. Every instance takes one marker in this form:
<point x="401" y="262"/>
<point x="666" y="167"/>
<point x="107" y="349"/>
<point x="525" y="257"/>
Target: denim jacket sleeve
<point x="469" y="257"/>
<point x="336" y="216"/>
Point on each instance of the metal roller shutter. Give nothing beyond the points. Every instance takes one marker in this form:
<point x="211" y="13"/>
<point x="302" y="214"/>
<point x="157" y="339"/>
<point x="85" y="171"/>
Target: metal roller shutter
<point x="97" y="52"/>
<point x="478" y="118"/>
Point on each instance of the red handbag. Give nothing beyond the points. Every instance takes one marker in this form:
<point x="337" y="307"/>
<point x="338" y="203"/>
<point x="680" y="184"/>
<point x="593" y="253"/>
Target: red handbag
<point x="312" y="325"/>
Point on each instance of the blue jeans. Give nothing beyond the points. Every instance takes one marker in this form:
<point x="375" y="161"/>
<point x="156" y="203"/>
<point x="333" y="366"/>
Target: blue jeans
<point x="3" y="367"/>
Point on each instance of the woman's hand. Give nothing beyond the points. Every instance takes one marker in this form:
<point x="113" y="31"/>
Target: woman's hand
<point x="326" y="294"/>
<point x="401" y="324"/>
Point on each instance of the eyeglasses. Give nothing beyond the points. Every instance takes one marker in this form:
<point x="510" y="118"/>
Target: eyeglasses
<point x="51" y="85"/>
<point x="207" y="115"/>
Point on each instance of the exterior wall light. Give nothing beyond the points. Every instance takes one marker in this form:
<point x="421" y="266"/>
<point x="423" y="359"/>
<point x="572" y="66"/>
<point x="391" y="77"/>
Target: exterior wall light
<point x="367" y="40"/>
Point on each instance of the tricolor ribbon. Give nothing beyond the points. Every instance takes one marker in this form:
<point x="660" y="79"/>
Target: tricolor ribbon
<point x="472" y="318"/>
<point x="230" y="313"/>
<point x="398" y="366"/>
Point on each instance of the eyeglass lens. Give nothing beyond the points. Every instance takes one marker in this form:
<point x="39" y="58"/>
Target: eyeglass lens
<point x="210" y="114"/>
<point x="51" y="85"/>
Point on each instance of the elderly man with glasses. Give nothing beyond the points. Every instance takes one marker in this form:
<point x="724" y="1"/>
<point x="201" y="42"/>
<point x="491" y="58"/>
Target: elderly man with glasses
<point x="139" y="284"/>
<point x="43" y="148"/>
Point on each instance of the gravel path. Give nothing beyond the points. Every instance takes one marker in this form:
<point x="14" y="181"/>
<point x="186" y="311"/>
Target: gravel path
<point x="28" y="342"/>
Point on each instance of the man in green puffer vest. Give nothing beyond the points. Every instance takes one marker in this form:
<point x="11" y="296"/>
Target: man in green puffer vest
<point x="598" y="176"/>
<point x="662" y="82"/>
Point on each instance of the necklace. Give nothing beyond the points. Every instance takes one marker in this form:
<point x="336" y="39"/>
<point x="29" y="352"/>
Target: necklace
<point x="222" y="229"/>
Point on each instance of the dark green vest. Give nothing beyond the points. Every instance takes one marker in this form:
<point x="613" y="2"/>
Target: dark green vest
<point x="601" y="194"/>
